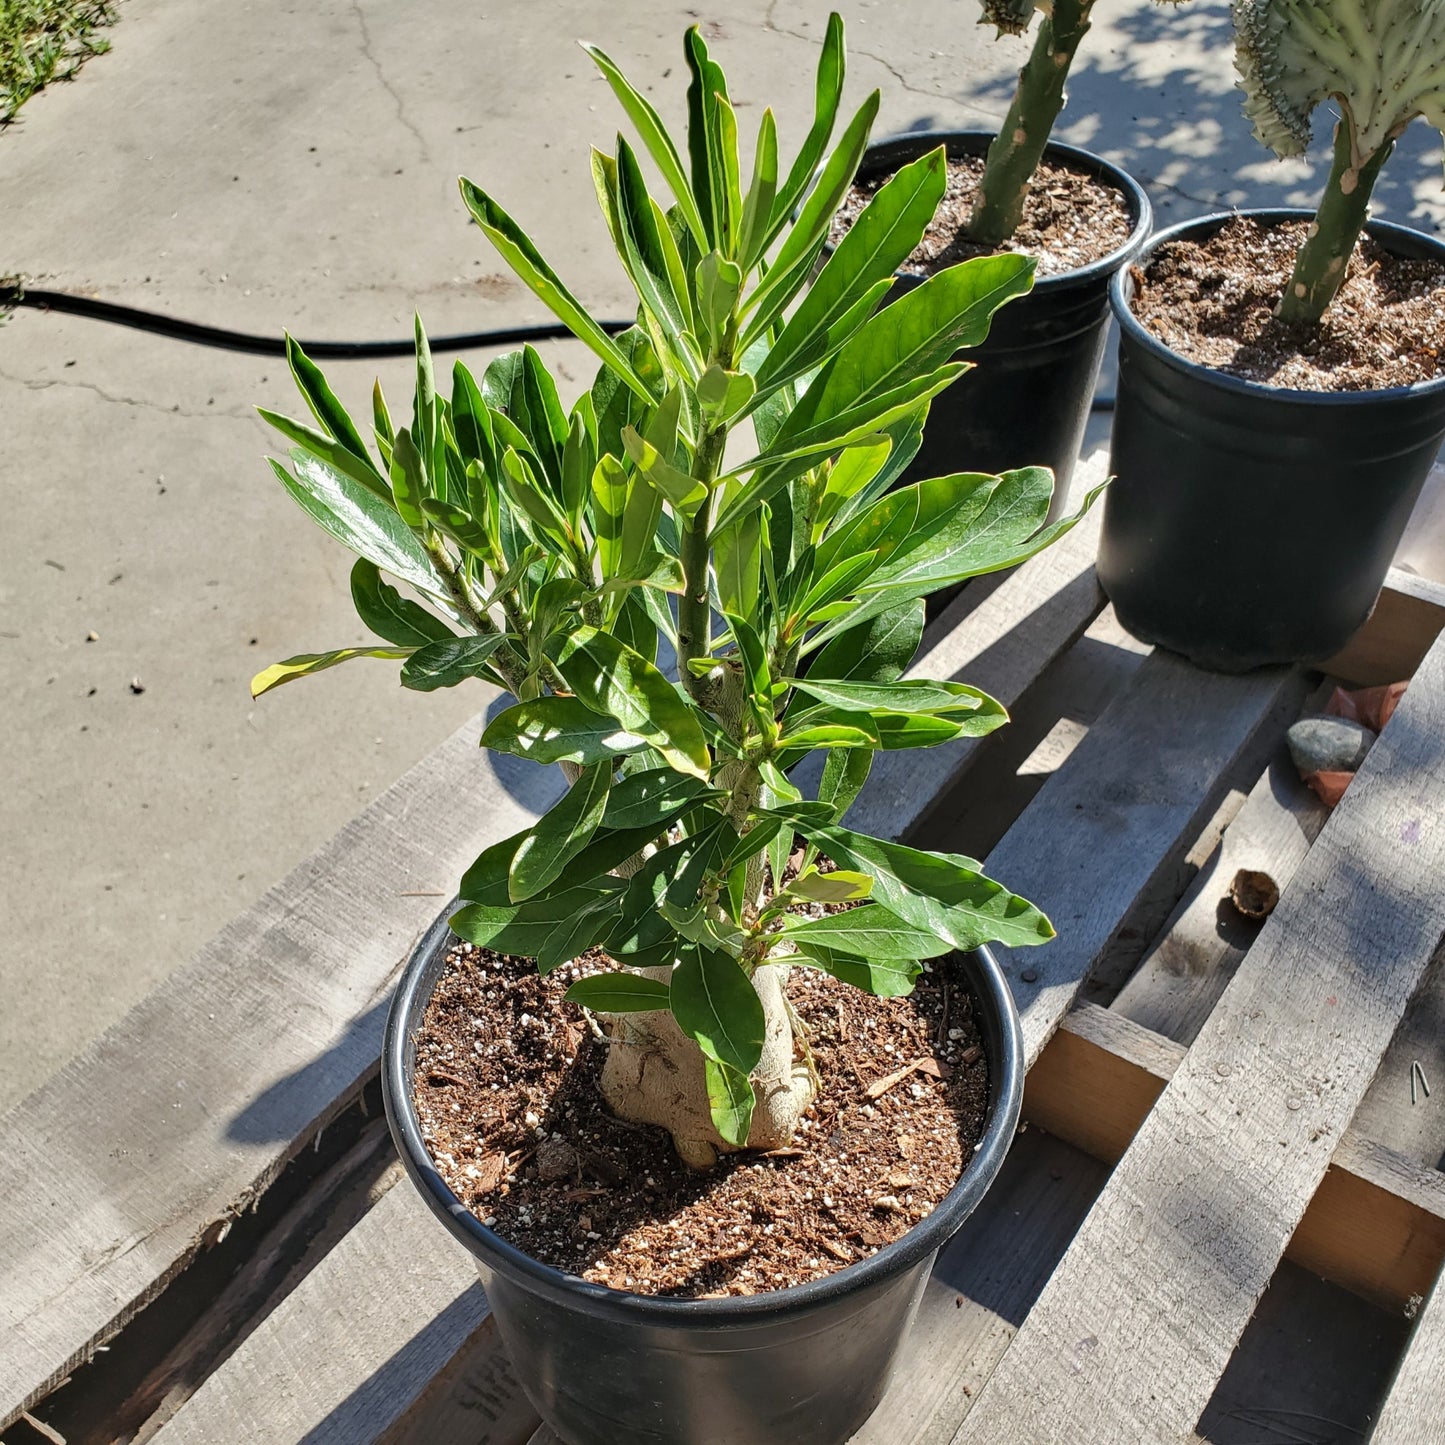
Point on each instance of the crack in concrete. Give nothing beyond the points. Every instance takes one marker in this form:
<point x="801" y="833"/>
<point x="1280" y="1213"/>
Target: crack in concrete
<point x="34" y="384"/>
<point x="386" y="85"/>
<point x="898" y="75"/>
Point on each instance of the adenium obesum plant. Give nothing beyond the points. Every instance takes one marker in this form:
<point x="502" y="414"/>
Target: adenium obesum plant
<point x="574" y="558"/>
<point x="1383" y="63"/>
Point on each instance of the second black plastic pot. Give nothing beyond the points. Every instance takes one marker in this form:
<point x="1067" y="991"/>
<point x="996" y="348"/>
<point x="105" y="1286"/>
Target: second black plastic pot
<point x="800" y="1366"/>
<point x="1027" y="401"/>
<point x="1250" y="525"/>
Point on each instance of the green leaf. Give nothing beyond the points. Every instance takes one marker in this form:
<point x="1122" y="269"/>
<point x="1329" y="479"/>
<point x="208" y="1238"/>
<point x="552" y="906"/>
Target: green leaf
<point x="618" y="993"/>
<point x="643" y="247"/>
<point x="560" y="834"/>
<point x="914" y="695"/>
<point x="724" y="394"/>
<point x="652" y="799"/>
<point x="579" y="460"/>
<point x="360" y="520"/>
<point x="828" y="91"/>
<point x="941" y="893"/>
<point x="716" y="1005"/>
<point x="309" y="662"/>
<point x="757" y="211"/>
<point x="832" y="734"/>
<point x="730" y="1101"/>
<point x="708" y="181"/>
<point x="845" y="770"/>
<point x="753" y="653"/>
<point x="534" y="500"/>
<point x="390" y="615"/>
<point x="524" y="258"/>
<point x="718" y="282"/>
<point x="559" y="730"/>
<point x="330" y="415"/>
<point x="522" y="930"/>
<point x="685" y="492"/>
<point x="878" y="649"/>
<point x="572" y="938"/>
<point x="658" y="142"/>
<point x="458" y="524"/>
<point x="737" y="557"/>
<point x="884" y="978"/>
<point x="333" y="453"/>
<point x="870" y="931"/>
<point x="878" y="242"/>
<point x="408" y="480"/>
<point x="839" y="886"/>
<point x="612" y="679"/>
<point x="610" y="485"/>
<point x="840" y="582"/>
<point x="809" y="232"/>
<point x="424" y="416"/>
<point x="454" y="660"/>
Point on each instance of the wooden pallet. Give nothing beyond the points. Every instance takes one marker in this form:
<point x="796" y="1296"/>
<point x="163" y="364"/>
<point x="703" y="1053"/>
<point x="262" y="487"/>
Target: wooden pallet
<point x="1220" y="1221"/>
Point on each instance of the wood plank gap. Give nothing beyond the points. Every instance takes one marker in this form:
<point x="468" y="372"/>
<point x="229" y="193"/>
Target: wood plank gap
<point x="1137" y="1324"/>
<point x="1415" y="1405"/>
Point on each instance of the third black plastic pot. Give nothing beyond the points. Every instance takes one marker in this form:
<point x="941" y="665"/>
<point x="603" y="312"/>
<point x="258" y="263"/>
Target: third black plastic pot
<point x="1250" y="525"/>
<point x="800" y="1366"/>
<point x="1027" y="401"/>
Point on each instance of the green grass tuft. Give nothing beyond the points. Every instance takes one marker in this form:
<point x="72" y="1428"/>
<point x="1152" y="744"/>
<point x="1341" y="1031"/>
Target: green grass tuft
<point x="46" y="40"/>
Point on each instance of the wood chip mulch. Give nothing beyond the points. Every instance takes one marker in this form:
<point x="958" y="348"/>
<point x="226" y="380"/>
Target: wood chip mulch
<point x="506" y="1088"/>
<point x="1213" y="302"/>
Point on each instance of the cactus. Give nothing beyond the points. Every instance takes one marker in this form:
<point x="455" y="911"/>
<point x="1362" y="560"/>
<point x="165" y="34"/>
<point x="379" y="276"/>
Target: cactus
<point x="1383" y="63"/>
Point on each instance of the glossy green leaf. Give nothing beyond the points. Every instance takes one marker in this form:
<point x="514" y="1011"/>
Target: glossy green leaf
<point x="560" y="833"/>
<point x="708" y="83"/>
<point x="876" y="245"/>
<point x="618" y="993"/>
<point x="839" y="886"/>
<point x="716" y="1005"/>
<point x="845" y="770"/>
<point x="941" y="893"/>
<point x="652" y="798"/>
<point x="559" y="730"/>
<point x="408" y="480"/>
<point x="654" y="136"/>
<point x="308" y="662"/>
<point x="884" y="978"/>
<point x="828" y="91"/>
<point x="522" y="930"/>
<point x="724" y="394"/>
<point x="811" y="734"/>
<point x="390" y="615"/>
<point x="730" y="1101"/>
<point x="572" y="938"/>
<point x="610" y="485"/>
<point x="524" y="258"/>
<point x="869" y="930"/>
<point x="737" y="558"/>
<point x="453" y="660"/>
<point x="877" y="649"/>
<point x="330" y="415"/>
<point x="643" y="247"/>
<point x="685" y="492"/>
<point x="458" y="524"/>
<point x="614" y="680"/>
<point x="330" y="451"/>
<point x="757" y="210"/>
<point x="360" y="520"/>
<point x="911" y="695"/>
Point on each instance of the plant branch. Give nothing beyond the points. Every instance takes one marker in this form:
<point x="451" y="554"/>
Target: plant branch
<point x="1019" y="145"/>
<point x="1323" y="260"/>
<point x="511" y="668"/>
<point x="694" y="612"/>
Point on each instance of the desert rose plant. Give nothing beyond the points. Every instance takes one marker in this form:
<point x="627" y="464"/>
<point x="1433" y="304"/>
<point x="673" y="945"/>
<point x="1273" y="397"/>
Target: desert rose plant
<point x="575" y="558"/>
<point x="1383" y="63"/>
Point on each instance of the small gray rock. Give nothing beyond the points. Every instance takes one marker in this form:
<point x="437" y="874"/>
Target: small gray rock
<point x="1328" y="744"/>
<point x="555" y="1159"/>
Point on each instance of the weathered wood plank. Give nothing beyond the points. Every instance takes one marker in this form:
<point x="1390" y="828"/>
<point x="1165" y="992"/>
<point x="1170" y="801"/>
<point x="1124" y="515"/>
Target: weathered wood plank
<point x="1033" y="616"/>
<point x="1401" y="630"/>
<point x="1122" y="810"/>
<point x="1376" y="1225"/>
<point x="353" y="1349"/>
<point x="1184" y="973"/>
<point x="1137" y="1324"/>
<point x="1415" y="1406"/>
<point x="117" y="1171"/>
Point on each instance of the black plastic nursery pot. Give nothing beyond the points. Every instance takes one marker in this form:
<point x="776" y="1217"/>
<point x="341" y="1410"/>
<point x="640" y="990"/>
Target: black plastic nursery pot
<point x="1250" y="525"/>
<point x="800" y="1366"/>
<point x="1027" y="402"/>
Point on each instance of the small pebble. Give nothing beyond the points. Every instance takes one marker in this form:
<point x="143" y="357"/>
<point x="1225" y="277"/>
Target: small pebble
<point x="1328" y="744"/>
<point x="1030" y="975"/>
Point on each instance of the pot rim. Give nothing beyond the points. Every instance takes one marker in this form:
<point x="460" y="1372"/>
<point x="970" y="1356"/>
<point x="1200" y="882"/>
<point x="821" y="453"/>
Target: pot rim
<point x="1141" y="210"/>
<point x="1121" y="293"/>
<point x="925" y="1238"/>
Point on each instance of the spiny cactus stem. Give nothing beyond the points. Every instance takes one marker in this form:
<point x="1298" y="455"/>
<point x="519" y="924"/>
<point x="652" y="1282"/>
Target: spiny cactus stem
<point x="1324" y="259"/>
<point x="1016" y="150"/>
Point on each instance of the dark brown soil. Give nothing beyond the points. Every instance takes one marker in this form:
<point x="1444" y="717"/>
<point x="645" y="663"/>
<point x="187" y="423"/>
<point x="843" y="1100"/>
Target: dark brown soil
<point x="1071" y="219"/>
<point x="506" y="1084"/>
<point x="1213" y="303"/>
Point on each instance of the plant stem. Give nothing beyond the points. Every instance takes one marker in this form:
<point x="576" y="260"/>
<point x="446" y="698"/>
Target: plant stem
<point x="1019" y="145"/>
<point x="1323" y="260"/>
<point x="694" y="611"/>
<point x="512" y="668"/>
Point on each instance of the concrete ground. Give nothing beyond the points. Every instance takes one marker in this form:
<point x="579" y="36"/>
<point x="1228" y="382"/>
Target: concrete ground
<point x="271" y="165"/>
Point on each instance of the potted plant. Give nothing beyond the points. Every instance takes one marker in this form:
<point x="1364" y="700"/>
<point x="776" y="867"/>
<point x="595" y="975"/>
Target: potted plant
<point x="562" y="556"/>
<point x="1029" y="401"/>
<point x="1280" y="397"/>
